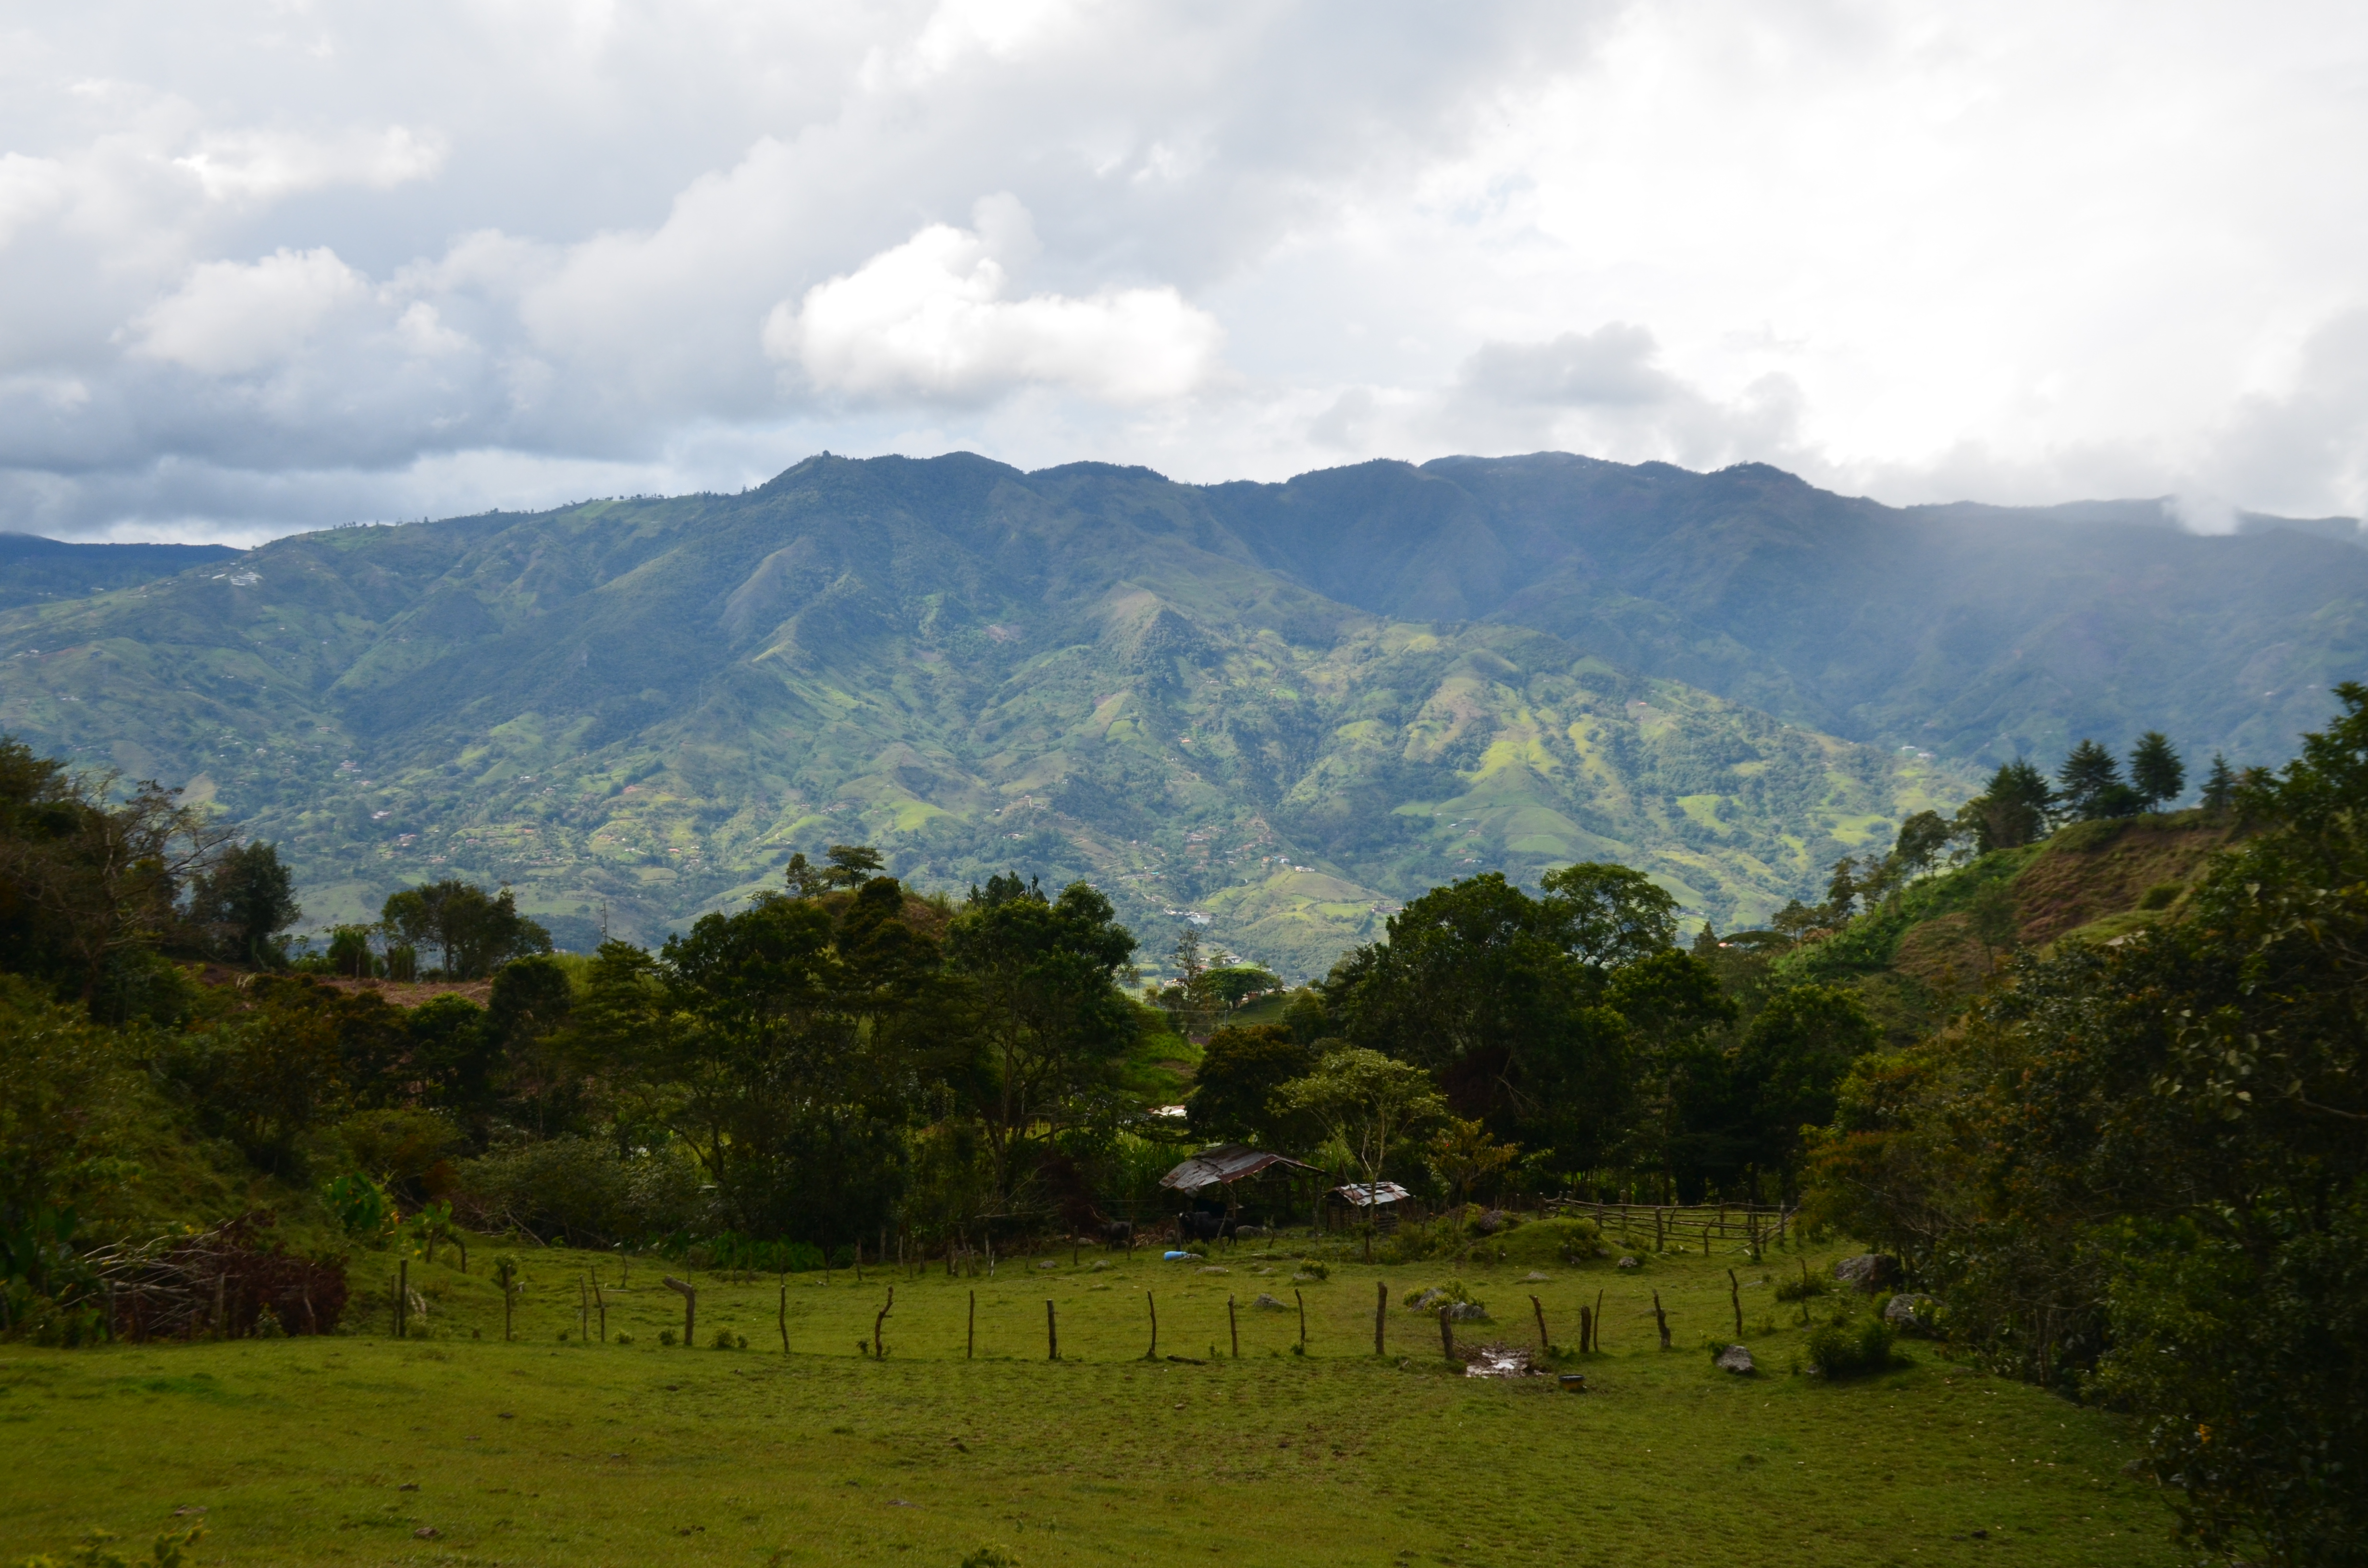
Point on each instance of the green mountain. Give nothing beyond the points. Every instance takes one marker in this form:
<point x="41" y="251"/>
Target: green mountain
<point x="1282" y="707"/>
<point x="35" y="570"/>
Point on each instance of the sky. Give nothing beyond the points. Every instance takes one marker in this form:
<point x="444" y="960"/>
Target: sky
<point x="268" y="267"/>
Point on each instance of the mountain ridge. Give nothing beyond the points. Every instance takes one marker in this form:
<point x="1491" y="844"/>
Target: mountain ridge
<point x="645" y="704"/>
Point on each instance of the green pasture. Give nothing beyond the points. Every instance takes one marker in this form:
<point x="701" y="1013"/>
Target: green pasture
<point x="549" y="1450"/>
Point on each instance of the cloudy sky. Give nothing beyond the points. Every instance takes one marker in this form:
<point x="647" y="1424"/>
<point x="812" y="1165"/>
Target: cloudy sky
<point x="269" y="265"/>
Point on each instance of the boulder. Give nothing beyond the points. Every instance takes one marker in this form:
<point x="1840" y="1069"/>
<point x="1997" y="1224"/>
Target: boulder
<point x="1912" y="1313"/>
<point x="1268" y="1303"/>
<point x="1868" y="1271"/>
<point x="1630" y="1263"/>
<point x="1735" y="1358"/>
<point x="1467" y="1312"/>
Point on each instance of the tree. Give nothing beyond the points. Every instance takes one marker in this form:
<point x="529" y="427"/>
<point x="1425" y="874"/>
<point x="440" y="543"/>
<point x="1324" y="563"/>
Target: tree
<point x="1042" y="1010"/>
<point x="1921" y="838"/>
<point x="2157" y="774"/>
<point x="529" y="1004"/>
<point x="851" y="865"/>
<point x="244" y="901"/>
<point x="2219" y="785"/>
<point x="2092" y="787"/>
<point x="1368" y="1102"/>
<point x="1795" y="1056"/>
<point x="1607" y="915"/>
<point x="1464" y="1156"/>
<point x="1233" y="1094"/>
<point x="1494" y="993"/>
<point x="2012" y="811"/>
<point x="90" y="882"/>
<point x="474" y="931"/>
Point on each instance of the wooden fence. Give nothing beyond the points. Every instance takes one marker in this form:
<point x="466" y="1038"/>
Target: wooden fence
<point x="1688" y="1227"/>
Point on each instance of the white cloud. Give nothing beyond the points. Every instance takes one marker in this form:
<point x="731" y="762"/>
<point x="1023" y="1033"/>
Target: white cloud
<point x="258" y="258"/>
<point x="258" y="166"/>
<point x="231" y="318"/>
<point x="930" y="318"/>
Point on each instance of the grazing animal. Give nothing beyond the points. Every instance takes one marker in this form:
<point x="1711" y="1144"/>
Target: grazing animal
<point x="1118" y="1234"/>
<point x="1194" y="1227"/>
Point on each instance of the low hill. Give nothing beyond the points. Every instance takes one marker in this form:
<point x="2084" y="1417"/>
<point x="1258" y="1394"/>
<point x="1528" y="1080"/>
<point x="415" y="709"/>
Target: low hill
<point x="1919" y="955"/>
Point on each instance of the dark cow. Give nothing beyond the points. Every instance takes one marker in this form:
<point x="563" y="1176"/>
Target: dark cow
<point x="1191" y="1227"/>
<point x="1119" y="1233"/>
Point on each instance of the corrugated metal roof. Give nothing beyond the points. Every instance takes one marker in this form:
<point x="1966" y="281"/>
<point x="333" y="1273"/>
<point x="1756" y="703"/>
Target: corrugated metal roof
<point x="1383" y="1192"/>
<point x="1227" y="1162"/>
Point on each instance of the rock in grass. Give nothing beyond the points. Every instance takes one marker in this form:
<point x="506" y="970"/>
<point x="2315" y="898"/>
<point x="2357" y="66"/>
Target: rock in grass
<point x="1912" y="1313"/>
<point x="1467" y="1312"/>
<point x="1268" y="1303"/>
<point x="1630" y="1263"/>
<point x="1868" y="1271"/>
<point x="1735" y="1358"/>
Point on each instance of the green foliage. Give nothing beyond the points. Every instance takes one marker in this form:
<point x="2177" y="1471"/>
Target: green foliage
<point x="2139" y="1164"/>
<point x="98" y="1549"/>
<point x="1232" y="1095"/>
<point x="360" y="1205"/>
<point x="1848" y="1350"/>
<point x="473" y="931"/>
<point x="244" y="901"/>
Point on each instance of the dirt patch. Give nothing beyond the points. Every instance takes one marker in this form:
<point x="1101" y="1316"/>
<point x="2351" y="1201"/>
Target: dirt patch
<point x="412" y="993"/>
<point x="1943" y="956"/>
<point x="2093" y="870"/>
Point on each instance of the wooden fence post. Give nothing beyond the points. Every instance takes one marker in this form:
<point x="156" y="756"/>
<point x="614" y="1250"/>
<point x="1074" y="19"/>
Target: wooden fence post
<point x="1303" y="1321"/>
<point x="1052" y="1334"/>
<point x="689" y="1295"/>
<point x="970" y="1346"/>
<point x="1596" y="1339"/>
<point x="1735" y="1294"/>
<point x="1234" y="1322"/>
<point x="1661" y="1319"/>
<point x="1657" y="1227"/>
<point x="1152" y="1303"/>
<point x="1381" y="1315"/>
<point x="784" y="1317"/>
<point x="600" y="1302"/>
<point x="1539" y="1307"/>
<point x="1446" y="1334"/>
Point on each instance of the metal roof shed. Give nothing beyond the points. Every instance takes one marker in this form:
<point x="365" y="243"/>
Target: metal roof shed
<point x="1225" y="1165"/>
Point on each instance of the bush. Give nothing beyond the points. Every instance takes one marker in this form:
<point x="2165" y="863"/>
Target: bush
<point x="1551" y="1241"/>
<point x="1839" y="1351"/>
<point x="1801" y="1290"/>
<point x="580" y="1190"/>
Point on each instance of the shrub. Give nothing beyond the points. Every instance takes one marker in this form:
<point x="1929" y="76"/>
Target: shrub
<point x="580" y="1190"/>
<point x="1562" y="1239"/>
<point x="1838" y="1351"/>
<point x="1801" y="1290"/>
<point x="665" y="1337"/>
<point x="623" y="1338"/>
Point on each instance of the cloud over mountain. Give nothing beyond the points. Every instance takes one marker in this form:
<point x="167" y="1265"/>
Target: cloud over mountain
<point x="264" y="267"/>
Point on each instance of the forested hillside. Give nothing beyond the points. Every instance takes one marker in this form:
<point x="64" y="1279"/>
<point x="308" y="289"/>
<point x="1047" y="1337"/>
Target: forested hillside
<point x="1282" y="708"/>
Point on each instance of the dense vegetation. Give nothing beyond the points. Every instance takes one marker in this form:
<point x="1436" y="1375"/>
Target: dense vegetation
<point x="2133" y="1170"/>
<point x="1289" y="709"/>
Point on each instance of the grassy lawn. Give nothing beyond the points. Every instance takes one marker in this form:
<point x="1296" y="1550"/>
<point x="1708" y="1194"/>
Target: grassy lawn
<point x="539" y="1450"/>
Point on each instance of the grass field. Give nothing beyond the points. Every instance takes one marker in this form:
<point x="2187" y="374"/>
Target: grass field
<point x="543" y="1450"/>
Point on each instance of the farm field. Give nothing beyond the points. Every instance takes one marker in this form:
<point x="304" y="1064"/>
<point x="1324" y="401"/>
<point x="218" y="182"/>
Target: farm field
<point x="351" y="1449"/>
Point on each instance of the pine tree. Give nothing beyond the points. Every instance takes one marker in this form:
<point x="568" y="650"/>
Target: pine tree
<point x="2219" y="785"/>
<point x="2011" y="813"/>
<point x="2092" y="785"/>
<point x="2155" y="770"/>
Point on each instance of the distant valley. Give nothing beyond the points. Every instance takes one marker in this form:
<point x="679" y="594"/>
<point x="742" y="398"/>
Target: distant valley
<point x="1279" y="709"/>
